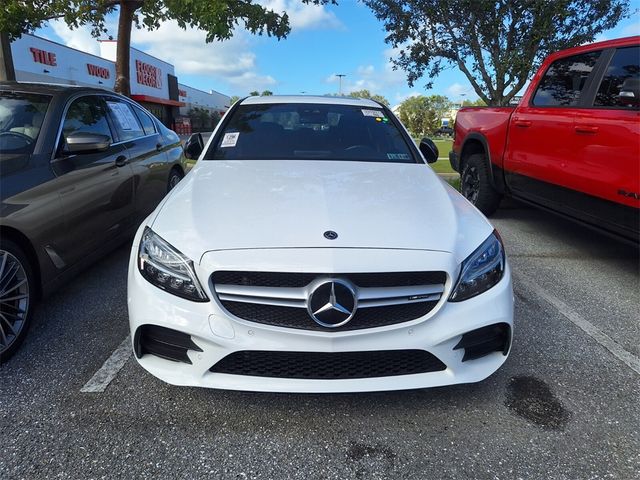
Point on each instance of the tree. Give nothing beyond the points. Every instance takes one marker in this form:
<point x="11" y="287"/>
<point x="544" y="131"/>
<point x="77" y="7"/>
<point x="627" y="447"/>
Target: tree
<point x="367" y="94"/>
<point x="418" y="115"/>
<point x="441" y="106"/>
<point x="233" y="99"/>
<point x="218" y="18"/>
<point x="266" y="93"/>
<point x="497" y="44"/>
<point x="475" y="103"/>
<point x="255" y="93"/>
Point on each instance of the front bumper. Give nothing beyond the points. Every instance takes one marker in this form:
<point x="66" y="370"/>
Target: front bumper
<point x="219" y="334"/>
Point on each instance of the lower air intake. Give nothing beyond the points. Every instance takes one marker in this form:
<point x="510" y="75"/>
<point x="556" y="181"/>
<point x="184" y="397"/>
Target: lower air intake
<point x="164" y="343"/>
<point x="483" y="341"/>
<point x="328" y="366"/>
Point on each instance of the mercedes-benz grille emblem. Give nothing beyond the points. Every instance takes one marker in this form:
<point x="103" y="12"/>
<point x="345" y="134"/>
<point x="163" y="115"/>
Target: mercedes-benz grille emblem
<point x="330" y="235"/>
<point x="332" y="303"/>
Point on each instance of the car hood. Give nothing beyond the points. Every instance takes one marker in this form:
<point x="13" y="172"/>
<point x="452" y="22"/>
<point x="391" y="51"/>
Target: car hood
<point x="223" y="205"/>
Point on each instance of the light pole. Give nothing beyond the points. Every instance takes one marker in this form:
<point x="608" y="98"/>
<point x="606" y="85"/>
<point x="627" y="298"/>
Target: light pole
<point x="340" y="75"/>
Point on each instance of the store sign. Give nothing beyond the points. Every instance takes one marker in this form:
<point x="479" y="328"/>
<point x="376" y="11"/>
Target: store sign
<point x="182" y="93"/>
<point x="42" y="56"/>
<point x="148" y="75"/>
<point x="96" y="71"/>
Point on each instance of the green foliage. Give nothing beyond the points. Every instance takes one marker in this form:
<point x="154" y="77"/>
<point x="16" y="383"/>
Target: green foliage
<point x="266" y="93"/>
<point x="423" y="115"/>
<point x="416" y="114"/>
<point x="203" y="120"/>
<point x="218" y="18"/>
<point x="475" y="103"/>
<point x="497" y="44"/>
<point x="254" y="93"/>
<point x="367" y="94"/>
<point x="233" y="99"/>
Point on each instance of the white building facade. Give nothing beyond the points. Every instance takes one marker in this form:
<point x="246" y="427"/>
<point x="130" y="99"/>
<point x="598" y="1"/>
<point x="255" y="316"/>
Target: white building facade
<point x="154" y="83"/>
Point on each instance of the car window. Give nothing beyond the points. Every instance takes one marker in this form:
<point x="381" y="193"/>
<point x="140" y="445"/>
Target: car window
<point x="148" y="125"/>
<point x="298" y="131"/>
<point x="87" y="115"/>
<point x="564" y="81"/>
<point x="21" y="117"/>
<point x="620" y="86"/>
<point x="127" y="125"/>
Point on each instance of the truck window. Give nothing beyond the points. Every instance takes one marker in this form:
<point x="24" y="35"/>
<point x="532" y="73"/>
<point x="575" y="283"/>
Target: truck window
<point x="564" y="80"/>
<point x="620" y="87"/>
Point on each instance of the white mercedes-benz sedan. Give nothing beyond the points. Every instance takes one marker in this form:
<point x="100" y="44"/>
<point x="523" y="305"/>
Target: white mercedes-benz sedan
<point x="312" y="249"/>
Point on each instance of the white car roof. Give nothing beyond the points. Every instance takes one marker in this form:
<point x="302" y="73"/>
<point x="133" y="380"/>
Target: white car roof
<point x="361" y="102"/>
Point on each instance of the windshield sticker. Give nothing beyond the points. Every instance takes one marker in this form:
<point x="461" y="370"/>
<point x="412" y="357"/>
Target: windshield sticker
<point x="230" y="139"/>
<point x="398" y="156"/>
<point x="124" y="115"/>
<point x="372" y="113"/>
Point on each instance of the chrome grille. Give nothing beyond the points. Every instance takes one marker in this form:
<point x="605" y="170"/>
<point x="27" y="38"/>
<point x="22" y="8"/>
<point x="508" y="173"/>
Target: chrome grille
<point x="280" y="299"/>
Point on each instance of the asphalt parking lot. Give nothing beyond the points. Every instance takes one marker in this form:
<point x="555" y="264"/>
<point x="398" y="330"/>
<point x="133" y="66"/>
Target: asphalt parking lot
<point x="564" y="406"/>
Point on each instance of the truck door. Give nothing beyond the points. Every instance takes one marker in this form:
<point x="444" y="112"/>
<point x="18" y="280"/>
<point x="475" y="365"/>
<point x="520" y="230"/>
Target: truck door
<point x="606" y="139"/>
<point x="539" y="159"/>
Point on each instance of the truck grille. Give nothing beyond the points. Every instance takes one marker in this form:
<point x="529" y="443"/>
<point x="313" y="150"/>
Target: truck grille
<point x="280" y="299"/>
<point x="328" y="366"/>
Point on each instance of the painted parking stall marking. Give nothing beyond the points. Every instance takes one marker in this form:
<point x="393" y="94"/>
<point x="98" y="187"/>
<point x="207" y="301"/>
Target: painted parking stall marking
<point x="110" y="368"/>
<point x="626" y="357"/>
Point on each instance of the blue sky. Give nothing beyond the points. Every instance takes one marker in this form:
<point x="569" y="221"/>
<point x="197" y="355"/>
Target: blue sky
<point x="344" y="39"/>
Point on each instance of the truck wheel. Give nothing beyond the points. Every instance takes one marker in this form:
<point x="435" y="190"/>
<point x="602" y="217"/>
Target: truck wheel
<point x="475" y="185"/>
<point x="16" y="298"/>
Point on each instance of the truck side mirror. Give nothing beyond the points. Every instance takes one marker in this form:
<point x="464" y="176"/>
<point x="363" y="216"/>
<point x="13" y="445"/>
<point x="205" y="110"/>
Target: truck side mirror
<point x="193" y="146"/>
<point x="429" y="150"/>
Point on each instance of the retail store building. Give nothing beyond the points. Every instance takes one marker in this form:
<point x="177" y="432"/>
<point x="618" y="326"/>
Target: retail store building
<point x="154" y="83"/>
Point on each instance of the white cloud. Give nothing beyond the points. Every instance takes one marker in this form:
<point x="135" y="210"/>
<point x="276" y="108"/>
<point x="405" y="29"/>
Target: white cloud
<point x="457" y="90"/>
<point x="376" y="80"/>
<point x="632" y="29"/>
<point x="79" y="38"/>
<point x="303" y="16"/>
<point x="230" y="60"/>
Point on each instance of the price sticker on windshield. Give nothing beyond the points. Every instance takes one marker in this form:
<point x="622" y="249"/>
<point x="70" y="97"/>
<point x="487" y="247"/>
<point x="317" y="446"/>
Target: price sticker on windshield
<point x="372" y="113"/>
<point x="230" y="139"/>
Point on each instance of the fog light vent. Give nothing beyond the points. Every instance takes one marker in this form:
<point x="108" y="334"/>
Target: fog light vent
<point x="164" y="343"/>
<point x="485" y="340"/>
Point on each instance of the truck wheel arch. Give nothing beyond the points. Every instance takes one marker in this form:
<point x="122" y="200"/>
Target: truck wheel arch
<point x="477" y="143"/>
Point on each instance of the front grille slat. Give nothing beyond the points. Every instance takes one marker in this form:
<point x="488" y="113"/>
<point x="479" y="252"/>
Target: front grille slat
<point x="328" y="366"/>
<point x="280" y="299"/>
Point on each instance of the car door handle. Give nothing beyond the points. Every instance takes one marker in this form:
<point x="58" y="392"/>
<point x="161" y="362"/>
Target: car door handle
<point x="586" y="129"/>
<point x="522" y="123"/>
<point x="121" y="161"/>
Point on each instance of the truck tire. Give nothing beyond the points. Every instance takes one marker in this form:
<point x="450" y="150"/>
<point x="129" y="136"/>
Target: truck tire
<point x="17" y="294"/>
<point x="476" y="185"/>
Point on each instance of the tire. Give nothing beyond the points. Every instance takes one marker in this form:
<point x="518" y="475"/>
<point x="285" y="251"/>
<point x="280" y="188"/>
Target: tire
<point x="476" y="186"/>
<point x="17" y="295"/>
<point x="174" y="178"/>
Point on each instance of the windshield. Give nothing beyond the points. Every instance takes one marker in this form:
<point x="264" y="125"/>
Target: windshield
<point x="299" y="131"/>
<point x="21" y="116"/>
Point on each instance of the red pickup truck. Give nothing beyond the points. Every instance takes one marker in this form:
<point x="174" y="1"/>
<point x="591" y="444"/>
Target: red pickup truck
<point x="572" y="145"/>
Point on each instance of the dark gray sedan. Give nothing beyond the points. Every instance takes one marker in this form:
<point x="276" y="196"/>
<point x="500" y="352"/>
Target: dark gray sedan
<point x="80" y="168"/>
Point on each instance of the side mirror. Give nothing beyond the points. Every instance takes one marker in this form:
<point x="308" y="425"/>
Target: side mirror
<point x="429" y="150"/>
<point x="193" y="146"/>
<point x="84" y="142"/>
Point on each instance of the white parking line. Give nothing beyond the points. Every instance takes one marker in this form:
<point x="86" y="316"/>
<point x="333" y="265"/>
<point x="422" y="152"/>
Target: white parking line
<point x="103" y="377"/>
<point x="628" y="358"/>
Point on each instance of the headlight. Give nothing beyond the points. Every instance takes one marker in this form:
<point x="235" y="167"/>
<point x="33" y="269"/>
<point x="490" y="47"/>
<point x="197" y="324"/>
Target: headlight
<point x="481" y="270"/>
<point x="167" y="268"/>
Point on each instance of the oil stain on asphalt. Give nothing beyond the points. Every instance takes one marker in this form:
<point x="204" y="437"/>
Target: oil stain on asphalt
<point x="531" y="399"/>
